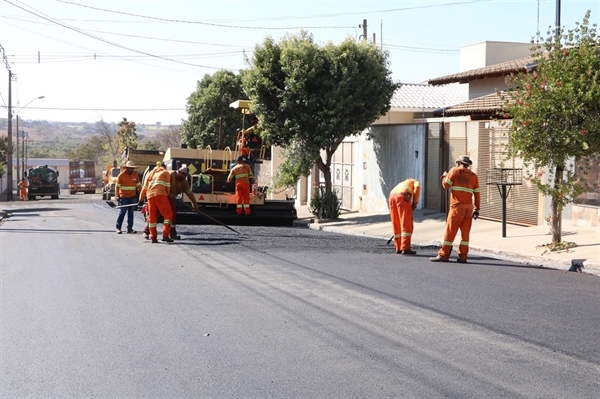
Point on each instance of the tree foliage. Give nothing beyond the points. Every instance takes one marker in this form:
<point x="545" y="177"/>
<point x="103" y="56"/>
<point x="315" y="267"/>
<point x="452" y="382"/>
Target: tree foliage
<point x="209" y="105"/>
<point x="3" y="149"/>
<point x="93" y="149"/>
<point x="169" y="138"/>
<point x="109" y="137"/>
<point x="308" y="97"/>
<point x="127" y="135"/>
<point x="555" y="113"/>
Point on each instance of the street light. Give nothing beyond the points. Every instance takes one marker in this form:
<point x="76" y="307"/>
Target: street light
<point x="10" y="165"/>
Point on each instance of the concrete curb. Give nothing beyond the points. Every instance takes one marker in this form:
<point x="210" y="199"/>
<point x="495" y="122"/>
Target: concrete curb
<point x="538" y="261"/>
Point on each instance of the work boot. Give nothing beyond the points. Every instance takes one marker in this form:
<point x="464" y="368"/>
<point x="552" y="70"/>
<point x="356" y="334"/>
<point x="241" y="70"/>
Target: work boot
<point x="438" y="259"/>
<point x="132" y="231"/>
<point x="459" y="260"/>
<point x="167" y="239"/>
<point x="409" y="252"/>
<point x="119" y="231"/>
<point x="154" y="241"/>
<point x="146" y="236"/>
<point x="173" y="234"/>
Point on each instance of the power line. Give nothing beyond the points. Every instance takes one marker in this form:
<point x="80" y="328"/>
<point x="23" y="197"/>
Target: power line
<point x="283" y="18"/>
<point x="420" y="49"/>
<point x="203" y="23"/>
<point x="41" y="15"/>
<point x="135" y="36"/>
<point x="107" y="109"/>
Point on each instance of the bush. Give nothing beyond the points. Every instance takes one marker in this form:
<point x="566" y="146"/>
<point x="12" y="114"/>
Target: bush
<point x="325" y="206"/>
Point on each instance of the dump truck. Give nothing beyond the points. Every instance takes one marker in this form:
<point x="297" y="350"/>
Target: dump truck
<point x="142" y="158"/>
<point x="109" y="180"/>
<point x="43" y="182"/>
<point x="82" y="177"/>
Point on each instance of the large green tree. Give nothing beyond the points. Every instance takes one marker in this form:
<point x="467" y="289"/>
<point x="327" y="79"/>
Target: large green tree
<point x="309" y="97"/>
<point x="556" y="114"/>
<point x="209" y="114"/>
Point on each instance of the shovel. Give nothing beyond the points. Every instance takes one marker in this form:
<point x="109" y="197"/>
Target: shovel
<point x="211" y="218"/>
<point x="123" y="206"/>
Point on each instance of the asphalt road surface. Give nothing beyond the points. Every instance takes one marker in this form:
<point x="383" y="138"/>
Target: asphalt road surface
<point x="277" y="313"/>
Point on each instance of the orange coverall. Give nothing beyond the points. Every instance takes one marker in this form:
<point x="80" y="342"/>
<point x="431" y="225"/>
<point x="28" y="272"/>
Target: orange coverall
<point x="178" y="186"/>
<point x="156" y="188"/>
<point x="242" y="173"/>
<point x="401" y="200"/>
<point x="464" y="190"/>
<point x="23" y="190"/>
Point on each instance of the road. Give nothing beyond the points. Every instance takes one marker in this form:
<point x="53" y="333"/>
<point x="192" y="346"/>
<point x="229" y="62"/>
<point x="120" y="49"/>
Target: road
<point x="277" y="313"/>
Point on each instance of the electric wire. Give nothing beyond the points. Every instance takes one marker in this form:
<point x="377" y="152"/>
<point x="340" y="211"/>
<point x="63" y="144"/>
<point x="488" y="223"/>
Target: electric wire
<point x="43" y="16"/>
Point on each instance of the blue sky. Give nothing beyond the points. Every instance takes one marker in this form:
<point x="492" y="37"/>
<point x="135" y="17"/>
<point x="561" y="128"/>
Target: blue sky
<point x="142" y="59"/>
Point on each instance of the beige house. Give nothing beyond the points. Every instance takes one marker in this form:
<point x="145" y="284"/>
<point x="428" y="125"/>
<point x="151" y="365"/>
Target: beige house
<point x="366" y="167"/>
<point x="485" y="140"/>
<point x="428" y="126"/>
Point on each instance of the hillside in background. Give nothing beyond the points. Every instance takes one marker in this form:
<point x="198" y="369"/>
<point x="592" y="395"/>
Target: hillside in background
<point x="47" y="139"/>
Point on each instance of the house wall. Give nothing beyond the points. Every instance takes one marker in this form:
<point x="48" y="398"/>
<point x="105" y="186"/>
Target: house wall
<point x="404" y="116"/>
<point x="482" y="54"/>
<point x="265" y="175"/>
<point x="480" y="88"/>
<point x="388" y="155"/>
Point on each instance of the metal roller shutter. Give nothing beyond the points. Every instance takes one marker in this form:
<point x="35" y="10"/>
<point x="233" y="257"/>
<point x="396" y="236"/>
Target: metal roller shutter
<point x="522" y="202"/>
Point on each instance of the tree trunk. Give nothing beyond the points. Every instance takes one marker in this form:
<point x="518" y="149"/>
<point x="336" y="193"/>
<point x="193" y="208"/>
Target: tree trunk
<point x="325" y="167"/>
<point x="557" y="209"/>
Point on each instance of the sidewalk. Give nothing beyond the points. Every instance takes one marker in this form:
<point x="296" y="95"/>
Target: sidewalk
<point x="521" y="244"/>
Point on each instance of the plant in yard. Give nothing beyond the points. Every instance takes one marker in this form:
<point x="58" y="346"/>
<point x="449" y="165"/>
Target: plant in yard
<point x="556" y="115"/>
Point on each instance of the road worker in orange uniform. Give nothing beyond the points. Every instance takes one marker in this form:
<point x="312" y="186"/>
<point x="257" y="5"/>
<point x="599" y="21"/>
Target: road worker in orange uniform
<point x="126" y="189"/>
<point x="23" y="189"/>
<point x="242" y="173"/>
<point x="403" y="201"/>
<point x="464" y="206"/>
<point x="156" y="188"/>
<point x="179" y="184"/>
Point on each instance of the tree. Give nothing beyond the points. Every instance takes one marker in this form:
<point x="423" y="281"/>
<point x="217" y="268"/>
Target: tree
<point x="3" y="149"/>
<point x="555" y="114"/>
<point x="308" y="98"/>
<point x="109" y="136"/>
<point x="150" y="144"/>
<point x="209" y="105"/>
<point x="127" y="135"/>
<point x="169" y="138"/>
<point x="92" y="149"/>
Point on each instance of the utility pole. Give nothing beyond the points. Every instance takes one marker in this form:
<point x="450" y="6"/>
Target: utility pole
<point x="364" y="28"/>
<point x="23" y="157"/>
<point x="17" y="177"/>
<point x="381" y="36"/>
<point x="557" y="19"/>
<point x="9" y="160"/>
<point x="9" y="185"/>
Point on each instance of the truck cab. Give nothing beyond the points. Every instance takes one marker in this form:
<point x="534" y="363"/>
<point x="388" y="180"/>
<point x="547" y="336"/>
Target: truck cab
<point x="43" y="182"/>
